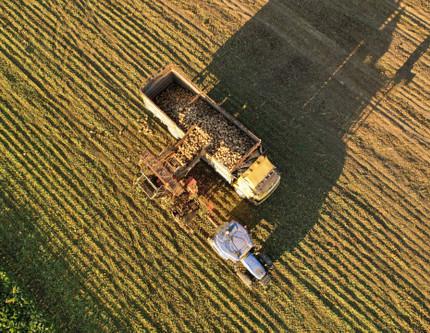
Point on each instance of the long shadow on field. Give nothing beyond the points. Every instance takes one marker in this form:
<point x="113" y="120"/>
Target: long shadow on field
<point x="25" y="255"/>
<point x="299" y="74"/>
<point x="405" y="72"/>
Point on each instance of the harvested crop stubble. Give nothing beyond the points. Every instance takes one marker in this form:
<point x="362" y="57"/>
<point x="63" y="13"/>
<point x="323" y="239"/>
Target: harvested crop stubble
<point x="228" y="143"/>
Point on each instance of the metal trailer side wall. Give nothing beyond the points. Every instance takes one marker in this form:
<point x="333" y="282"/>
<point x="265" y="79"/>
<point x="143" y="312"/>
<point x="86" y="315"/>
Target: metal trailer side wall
<point x="164" y="118"/>
<point x="169" y="75"/>
<point x="220" y="168"/>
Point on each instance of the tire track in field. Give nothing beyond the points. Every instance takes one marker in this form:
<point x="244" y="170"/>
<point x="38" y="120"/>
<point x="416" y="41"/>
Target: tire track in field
<point x="392" y="232"/>
<point x="404" y="126"/>
<point x="368" y="256"/>
<point x="367" y="284"/>
<point x="396" y="269"/>
<point x="364" y="201"/>
<point x="352" y="216"/>
<point x="311" y="295"/>
<point x="390" y="151"/>
<point x="332" y="301"/>
<point x="411" y="205"/>
<point x="350" y="295"/>
<point x="365" y="260"/>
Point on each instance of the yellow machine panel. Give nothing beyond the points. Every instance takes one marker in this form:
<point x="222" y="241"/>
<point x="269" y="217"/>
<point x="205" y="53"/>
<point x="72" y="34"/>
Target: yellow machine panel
<point x="258" y="171"/>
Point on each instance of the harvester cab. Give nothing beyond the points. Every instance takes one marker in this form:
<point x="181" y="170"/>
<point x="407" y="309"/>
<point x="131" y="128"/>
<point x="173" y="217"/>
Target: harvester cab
<point x="233" y="243"/>
<point x="259" y="181"/>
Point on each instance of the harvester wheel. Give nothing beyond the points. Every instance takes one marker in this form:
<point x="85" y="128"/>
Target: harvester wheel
<point x="244" y="278"/>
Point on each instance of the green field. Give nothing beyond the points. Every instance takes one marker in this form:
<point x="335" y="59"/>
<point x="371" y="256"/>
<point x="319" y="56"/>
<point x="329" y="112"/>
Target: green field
<point x="338" y="91"/>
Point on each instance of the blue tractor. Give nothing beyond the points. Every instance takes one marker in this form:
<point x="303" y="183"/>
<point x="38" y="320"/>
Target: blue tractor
<point x="233" y="243"/>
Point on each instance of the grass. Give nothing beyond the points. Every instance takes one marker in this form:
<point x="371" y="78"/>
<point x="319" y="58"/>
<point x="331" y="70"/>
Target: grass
<point x="337" y="92"/>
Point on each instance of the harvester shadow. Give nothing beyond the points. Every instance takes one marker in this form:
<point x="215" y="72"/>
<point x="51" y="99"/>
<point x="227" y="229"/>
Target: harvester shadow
<point x="300" y="88"/>
<point x="405" y="72"/>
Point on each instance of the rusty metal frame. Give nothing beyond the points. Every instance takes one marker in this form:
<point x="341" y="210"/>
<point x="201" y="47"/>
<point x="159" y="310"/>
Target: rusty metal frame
<point x="156" y="189"/>
<point x="158" y="168"/>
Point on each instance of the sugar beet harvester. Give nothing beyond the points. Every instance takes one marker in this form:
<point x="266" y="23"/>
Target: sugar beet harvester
<point x="251" y="174"/>
<point x="206" y="132"/>
<point x="168" y="173"/>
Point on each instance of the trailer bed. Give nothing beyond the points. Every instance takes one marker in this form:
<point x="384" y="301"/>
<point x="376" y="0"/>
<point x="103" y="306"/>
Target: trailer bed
<point x="228" y="143"/>
<point x="232" y="148"/>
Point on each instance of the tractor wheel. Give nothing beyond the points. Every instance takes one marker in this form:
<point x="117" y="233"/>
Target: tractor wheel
<point x="266" y="260"/>
<point x="245" y="278"/>
<point x="265" y="281"/>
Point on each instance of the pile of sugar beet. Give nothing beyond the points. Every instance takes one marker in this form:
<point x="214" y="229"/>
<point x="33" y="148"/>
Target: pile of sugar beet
<point x="224" y="141"/>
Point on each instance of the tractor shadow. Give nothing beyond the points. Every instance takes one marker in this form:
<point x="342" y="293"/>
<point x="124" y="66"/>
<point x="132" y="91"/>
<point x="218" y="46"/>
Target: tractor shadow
<point x="299" y="74"/>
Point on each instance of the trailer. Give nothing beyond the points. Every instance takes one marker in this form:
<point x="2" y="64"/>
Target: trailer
<point x="233" y="150"/>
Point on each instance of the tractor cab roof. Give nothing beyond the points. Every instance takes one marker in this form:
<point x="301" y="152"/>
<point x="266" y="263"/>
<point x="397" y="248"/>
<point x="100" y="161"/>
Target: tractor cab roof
<point x="232" y="241"/>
